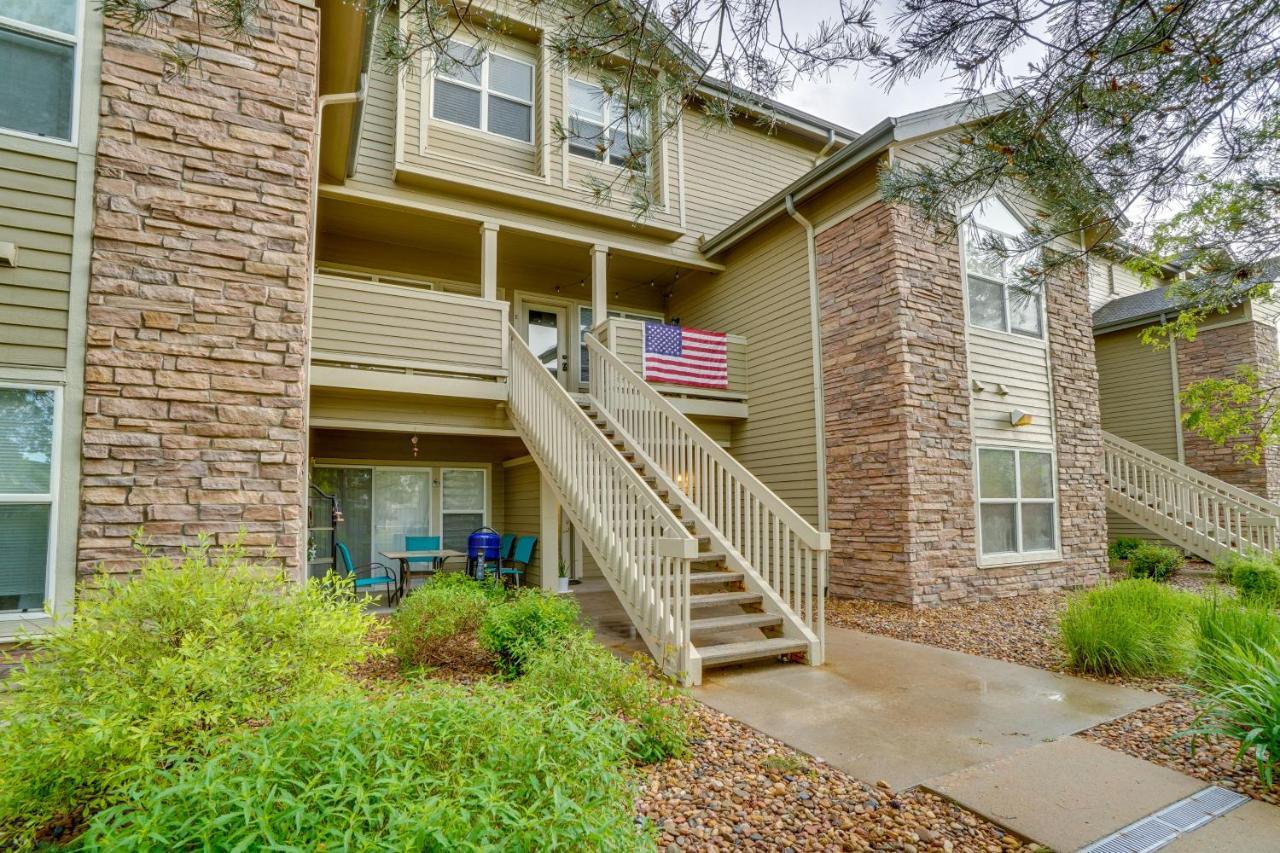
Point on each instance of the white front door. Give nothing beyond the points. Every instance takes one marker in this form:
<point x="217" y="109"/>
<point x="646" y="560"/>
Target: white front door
<point x="545" y="330"/>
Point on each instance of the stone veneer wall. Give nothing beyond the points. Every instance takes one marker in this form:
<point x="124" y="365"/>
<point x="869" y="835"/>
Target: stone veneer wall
<point x="899" y="449"/>
<point x="196" y="364"/>
<point x="1216" y="353"/>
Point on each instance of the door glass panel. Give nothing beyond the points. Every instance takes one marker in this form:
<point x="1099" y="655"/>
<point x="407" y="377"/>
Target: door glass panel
<point x="353" y="488"/>
<point x="401" y="507"/>
<point x="544" y="338"/>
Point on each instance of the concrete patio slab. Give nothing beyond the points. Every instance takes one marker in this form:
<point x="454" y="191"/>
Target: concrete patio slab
<point x="1065" y="794"/>
<point x="881" y="708"/>
<point x="1252" y="828"/>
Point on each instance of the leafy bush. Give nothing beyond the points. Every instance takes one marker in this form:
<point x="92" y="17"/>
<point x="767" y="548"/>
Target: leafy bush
<point x="152" y="670"/>
<point x="1223" y="627"/>
<point x="433" y="624"/>
<point x="530" y="621"/>
<point x="1154" y="561"/>
<point x="1258" y="580"/>
<point x="1224" y="567"/>
<point x="440" y="768"/>
<point x="1245" y="705"/>
<point x="1123" y="547"/>
<point x="581" y="671"/>
<point x="1133" y="627"/>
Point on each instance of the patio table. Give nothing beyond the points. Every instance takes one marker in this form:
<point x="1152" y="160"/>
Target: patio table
<point x="437" y="556"/>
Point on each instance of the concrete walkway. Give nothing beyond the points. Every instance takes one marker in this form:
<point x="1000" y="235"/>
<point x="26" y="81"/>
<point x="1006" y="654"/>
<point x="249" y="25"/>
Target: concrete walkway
<point x="902" y="712"/>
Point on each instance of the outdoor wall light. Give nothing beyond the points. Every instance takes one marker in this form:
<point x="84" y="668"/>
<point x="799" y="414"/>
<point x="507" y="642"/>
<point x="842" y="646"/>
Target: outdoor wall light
<point x="1018" y="418"/>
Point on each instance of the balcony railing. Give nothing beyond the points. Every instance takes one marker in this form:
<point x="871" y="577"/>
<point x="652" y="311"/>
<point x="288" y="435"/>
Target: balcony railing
<point x="625" y="338"/>
<point x="408" y="329"/>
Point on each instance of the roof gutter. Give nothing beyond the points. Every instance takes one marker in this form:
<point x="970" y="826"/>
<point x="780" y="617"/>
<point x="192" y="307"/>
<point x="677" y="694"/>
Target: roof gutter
<point x="832" y="169"/>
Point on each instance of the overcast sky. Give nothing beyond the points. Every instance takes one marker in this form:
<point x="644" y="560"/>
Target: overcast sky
<point x="849" y="96"/>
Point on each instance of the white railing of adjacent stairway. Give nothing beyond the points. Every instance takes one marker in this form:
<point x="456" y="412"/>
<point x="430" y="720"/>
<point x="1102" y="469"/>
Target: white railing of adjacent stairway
<point x="765" y="536"/>
<point x="640" y="545"/>
<point x="1193" y="509"/>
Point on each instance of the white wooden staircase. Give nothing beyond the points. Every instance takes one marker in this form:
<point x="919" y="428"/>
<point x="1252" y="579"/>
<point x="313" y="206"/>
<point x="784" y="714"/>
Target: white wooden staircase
<point x="1199" y="513"/>
<point x="710" y="565"/>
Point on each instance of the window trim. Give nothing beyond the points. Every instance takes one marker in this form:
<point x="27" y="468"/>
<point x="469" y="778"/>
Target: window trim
<point x="607" y="128"/>
<point x="1006" y="558"/>
<point x="51" y="497"/>
<point x="76" y="41"/>
<point x="486" y="93"/>
<point x="963" y="234"/>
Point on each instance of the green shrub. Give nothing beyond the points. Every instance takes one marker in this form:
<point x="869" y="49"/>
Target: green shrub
<point x="1258" y="580"/>
<point x="530" y="621"/>
<point x="1224" y="567"/>
<point x="427" y="628"/>
<point x="1154" y="561"/>
<point x="581" y="671"/>
<point x="439" y="768"/>
<point x="1245" y="706"/>
<point x="1223" y="627"/>
<point x="1123" y="547"/>
<point x="1133" y="627"/>
<point x="152" y="670"/>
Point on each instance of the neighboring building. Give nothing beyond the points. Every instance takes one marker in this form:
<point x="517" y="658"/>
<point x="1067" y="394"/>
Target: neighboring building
<point x="1139" y="384"/>
<point x="392" y="293"/>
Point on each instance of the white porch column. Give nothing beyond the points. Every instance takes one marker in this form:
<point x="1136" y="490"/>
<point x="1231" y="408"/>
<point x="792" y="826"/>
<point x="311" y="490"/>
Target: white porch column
<point x="489" y="260"/>
<point x="599" y="284"/>
<point x="548" y="534"/>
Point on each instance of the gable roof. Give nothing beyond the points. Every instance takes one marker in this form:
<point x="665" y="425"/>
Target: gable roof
<point x="859" y="151"/>
<point x="1134" y="309"/>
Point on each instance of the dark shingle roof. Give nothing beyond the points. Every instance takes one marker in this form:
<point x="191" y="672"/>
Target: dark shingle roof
<point x="1137" y="306"/>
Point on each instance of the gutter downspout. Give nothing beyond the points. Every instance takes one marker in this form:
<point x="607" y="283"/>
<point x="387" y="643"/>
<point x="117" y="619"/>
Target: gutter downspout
<point x="815" y="332"/>
<point x="1177" y="395"/>
<point x="831" y="141"/>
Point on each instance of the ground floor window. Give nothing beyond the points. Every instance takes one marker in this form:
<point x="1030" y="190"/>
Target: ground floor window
<point x="1017" y="504"/>
<point x="382" y="505"/>
<point x="28" y="418"/>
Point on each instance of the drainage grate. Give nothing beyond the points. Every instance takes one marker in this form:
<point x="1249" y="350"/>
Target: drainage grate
<point x="1157" y="830"/>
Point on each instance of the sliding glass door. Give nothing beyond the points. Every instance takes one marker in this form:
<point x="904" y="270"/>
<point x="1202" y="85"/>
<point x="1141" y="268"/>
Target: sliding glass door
<point x="401" y="507"/>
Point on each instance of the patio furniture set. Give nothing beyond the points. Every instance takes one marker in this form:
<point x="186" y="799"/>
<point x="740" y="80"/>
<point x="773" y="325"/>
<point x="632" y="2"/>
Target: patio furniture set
<point x="423" y="556"/>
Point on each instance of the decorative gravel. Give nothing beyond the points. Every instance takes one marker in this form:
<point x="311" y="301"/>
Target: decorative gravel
<point x="1025" y="631"/>
<point x="743" y="790"/>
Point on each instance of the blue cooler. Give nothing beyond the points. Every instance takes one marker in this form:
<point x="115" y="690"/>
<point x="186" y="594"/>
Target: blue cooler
<point x="483" y="547"/>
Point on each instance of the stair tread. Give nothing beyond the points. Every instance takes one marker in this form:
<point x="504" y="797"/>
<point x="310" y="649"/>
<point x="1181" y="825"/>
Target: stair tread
<point x="709" y="556"/>
<point x="715" y="577"/>
<point x="750" y="649"/>
<point x="737" y="620"/>
<point x="709" y="599"/>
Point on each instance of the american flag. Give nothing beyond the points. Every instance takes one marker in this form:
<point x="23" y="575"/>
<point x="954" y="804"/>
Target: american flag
<point x="685" y="356"/>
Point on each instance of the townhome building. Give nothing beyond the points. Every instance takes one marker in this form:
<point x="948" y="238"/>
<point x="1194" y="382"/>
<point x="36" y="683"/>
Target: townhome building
<point x="291" y="281"/>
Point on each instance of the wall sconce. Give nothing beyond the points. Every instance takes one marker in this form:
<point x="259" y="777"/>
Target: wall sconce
<point x="1018" y="418"/>
<point x="413" y="442"/>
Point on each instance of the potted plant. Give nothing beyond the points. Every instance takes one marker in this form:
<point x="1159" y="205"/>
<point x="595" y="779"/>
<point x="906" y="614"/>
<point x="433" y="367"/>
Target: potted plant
<point x="564" y="578"/>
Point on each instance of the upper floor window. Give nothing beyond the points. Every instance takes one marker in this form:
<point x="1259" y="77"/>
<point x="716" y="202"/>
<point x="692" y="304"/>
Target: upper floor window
<point x="490" y="92"/>
<point x="999" y="297"/>
<point x="598" y="129"/>
<point x="38" y="66"/>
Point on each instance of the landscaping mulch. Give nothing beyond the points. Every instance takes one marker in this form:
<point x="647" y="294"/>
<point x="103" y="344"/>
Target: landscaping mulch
<point x="1025" y="631"/>
<point x="743" y="790"/>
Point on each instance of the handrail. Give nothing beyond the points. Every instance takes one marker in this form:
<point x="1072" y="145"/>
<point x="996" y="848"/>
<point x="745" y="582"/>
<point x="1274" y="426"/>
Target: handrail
<point x="770" y="539"/>
<point x="1199" y="512"/>
<point x="641" y="546"/>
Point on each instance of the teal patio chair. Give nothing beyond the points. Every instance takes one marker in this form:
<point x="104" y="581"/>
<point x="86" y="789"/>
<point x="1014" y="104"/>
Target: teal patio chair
<point x="422" y="543"/>
<point x="518" y="563"/>
<point x="504" y="550"/>
<point x="363" y="577"/>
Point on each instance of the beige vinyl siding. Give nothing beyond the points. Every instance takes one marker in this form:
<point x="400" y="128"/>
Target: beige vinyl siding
<point x="763" y="295"/>
<point x="521" y="516"/>
<point x="1021" y="366"/>
<point x="1135" y="391"/>
<point x="347" y="409"/>
<point x="728" y="171"/>
<point x="375" y="151"/>
<point x="1108" y="281"/>
<point x="721" y="432"/>
<point x="37" y="207"/>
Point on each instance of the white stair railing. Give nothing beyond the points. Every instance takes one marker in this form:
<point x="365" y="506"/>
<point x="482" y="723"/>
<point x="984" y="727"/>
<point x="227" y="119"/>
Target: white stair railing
<point x="642" y="548"/>
<point x="1201" y="513"/>
<point x="762" y="536"/>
